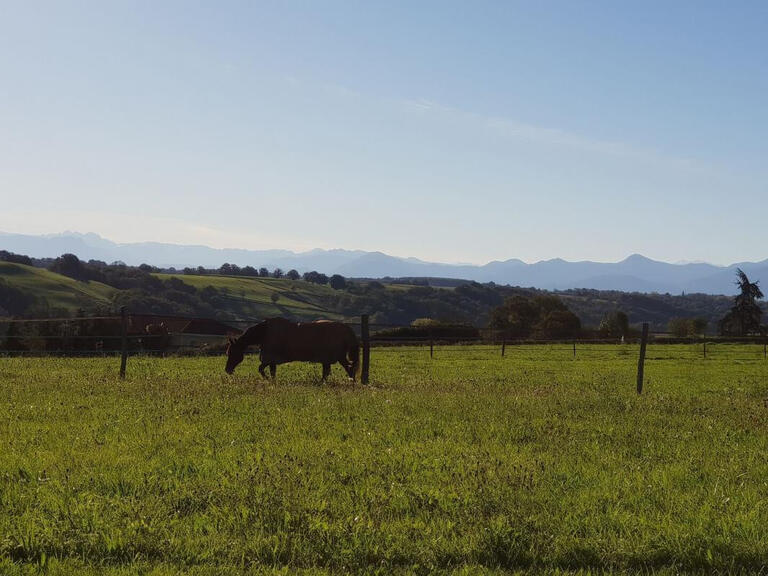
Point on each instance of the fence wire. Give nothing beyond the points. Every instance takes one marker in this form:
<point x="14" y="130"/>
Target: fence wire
<point x="174" y="334"/>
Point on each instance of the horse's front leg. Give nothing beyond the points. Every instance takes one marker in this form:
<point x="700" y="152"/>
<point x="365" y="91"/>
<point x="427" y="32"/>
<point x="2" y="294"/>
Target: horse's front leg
<point x="326" y="371"/>
<point x="262" y="366"/>
<point x="273" y="370"/>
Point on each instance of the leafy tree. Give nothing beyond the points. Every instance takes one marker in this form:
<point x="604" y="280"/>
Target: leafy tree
<point x="682" y="327"/>
<point x="615" y="324"/>
<point x="480" y="293"/>
<point x="278" y="273"/>
<point x="263" y="272"/>
<point x="516" y="316"/>
<point x="71" y="266"/>
<point x="698" y="326"/>
<point x="744" y="316"/>
<point x="315" y="277"/>
<point x="337" y="282"/>
<point x="178" y="285"/>
<point x="6" y="256"/>
<point x="210" y="295"/>
<point x="679" y="327"/>
<point x="292" y="274"/>
<point x="549" y="303"/>
<point x="14" y="301"/>
<point x="545" y="316"/>
<point x="558" y="324"/>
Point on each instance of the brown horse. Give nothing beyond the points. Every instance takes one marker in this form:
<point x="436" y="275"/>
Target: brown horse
<point x="282" y="341"/>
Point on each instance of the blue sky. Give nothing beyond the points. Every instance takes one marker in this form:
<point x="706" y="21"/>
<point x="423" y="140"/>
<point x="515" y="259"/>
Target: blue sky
<point x="449" y="131"/>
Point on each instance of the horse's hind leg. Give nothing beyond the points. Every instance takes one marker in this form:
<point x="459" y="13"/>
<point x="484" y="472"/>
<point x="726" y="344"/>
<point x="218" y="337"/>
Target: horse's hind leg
<point x="262" y="366"/>
<point x="273" y="370"/>
<point x="326" y="371"/>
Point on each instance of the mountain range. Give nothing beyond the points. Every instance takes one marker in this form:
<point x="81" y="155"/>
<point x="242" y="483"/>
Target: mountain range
<point x="633" y="274"/>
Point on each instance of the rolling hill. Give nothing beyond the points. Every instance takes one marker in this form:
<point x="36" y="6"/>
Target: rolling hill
<point x="238" y="297"/>
<point x="247" y="297"/>
<point x="53" y="292"/>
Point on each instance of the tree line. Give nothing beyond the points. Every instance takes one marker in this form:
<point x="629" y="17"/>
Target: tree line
<point x="335" y="281"/>
<point x="522" y="312"/>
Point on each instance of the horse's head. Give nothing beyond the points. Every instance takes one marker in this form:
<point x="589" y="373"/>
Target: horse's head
<point x="236" y="347"/>
<point x="235" y="353"/>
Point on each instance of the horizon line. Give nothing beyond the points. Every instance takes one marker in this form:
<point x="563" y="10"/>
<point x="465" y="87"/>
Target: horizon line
<point x="75" y="233"/>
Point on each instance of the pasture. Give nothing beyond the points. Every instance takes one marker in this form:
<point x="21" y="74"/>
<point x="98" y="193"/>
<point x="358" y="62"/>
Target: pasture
<point x="468" y="463"/>
<point x="252" y="297"/>
<point x="56" y="291"/>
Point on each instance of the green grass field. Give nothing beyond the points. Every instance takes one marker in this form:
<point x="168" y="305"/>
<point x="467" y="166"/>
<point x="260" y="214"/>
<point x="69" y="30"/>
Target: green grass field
<point x="57" y="290"/>
<point x="468" y="463"/>
<point x="252" y="297"/>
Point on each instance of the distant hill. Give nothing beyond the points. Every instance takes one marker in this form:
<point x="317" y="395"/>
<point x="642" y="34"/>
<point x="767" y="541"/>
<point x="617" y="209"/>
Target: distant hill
<point x="633" y="274"/>
<point x="244" y="297"/>
<point x="395" y="301"/>
<point x="51" y="294"/>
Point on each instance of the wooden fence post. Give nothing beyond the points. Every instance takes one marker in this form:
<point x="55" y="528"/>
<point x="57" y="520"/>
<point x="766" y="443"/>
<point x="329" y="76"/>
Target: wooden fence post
<point x="574" y="348"/>
<point x="123" y="340"/>
<point x="641" y="360"/>
<point x="365" y="337"/>
<point x="503" y="346"/>
<point x="705" y="349"/>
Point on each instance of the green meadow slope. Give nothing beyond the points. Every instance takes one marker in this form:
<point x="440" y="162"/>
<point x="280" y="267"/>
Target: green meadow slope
<point x="46" y="293"/>
<point x="253" y="297"/>
<point x="245" y="297"/>
<point x="53" y="291"/>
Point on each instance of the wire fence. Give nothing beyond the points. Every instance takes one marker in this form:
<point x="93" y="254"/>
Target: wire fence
<point x="588" y="350"/>
<point x="159" y="334"/>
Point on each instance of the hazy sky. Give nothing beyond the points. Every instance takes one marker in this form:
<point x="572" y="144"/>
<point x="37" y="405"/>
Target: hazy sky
<point x="450" y="131"/>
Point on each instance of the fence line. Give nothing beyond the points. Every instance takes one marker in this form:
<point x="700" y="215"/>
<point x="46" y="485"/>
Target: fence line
<point x="68" y="319"/>
<point x="161" y="333"/>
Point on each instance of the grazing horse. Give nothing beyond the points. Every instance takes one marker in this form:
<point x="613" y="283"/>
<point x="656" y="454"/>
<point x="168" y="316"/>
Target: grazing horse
<point x="282" y="341"/>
